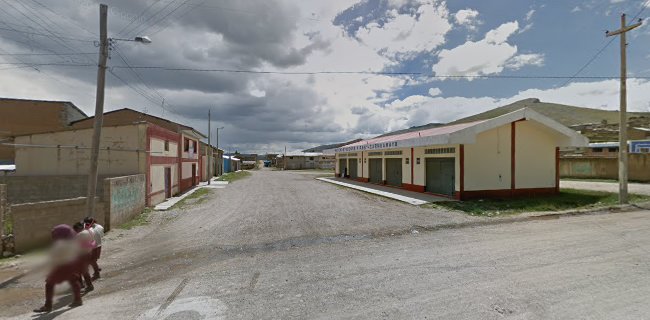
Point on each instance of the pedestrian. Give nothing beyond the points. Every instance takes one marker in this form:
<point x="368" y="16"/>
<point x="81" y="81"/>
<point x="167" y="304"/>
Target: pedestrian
<point x="63" y="265"/>
<point x="87" y="243"/>
<point x="98" y="232"/>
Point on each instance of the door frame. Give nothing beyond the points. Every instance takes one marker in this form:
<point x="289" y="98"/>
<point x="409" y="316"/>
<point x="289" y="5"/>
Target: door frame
<point x="453" y="186"/>
<point x="168" y="182"/>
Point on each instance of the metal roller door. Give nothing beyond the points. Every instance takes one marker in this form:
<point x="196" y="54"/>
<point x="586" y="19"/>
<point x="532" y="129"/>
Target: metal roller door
<point x="374" y="170"/>
<point x="353" y="168"/>
<point x="394" y="172"/>
<point x="441" y="176"/>
<point x="343" y="167"/>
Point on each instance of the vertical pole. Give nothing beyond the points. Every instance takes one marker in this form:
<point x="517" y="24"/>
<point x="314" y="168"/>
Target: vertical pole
<point x="219" y="157"/>
<point x="284" y="159"/>
<point x="622" y="132"/>
<point x="99" y="111"/>
<point x="209" y="149"/>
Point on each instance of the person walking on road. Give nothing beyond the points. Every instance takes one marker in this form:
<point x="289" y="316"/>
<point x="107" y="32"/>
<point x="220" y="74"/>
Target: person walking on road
<point x="87" y="242"/>
<point x="63" y="260"/>
<point x="98" y="232"/>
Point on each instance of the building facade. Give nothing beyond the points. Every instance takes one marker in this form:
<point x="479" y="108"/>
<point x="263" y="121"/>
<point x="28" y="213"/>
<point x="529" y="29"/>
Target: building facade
<point x="20" y="117"/>
<point x="130" y="144"/>
<point x="515" y="154"/>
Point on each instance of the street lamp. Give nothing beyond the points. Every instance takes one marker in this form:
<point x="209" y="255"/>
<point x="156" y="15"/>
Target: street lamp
<point x="141" y="39"/>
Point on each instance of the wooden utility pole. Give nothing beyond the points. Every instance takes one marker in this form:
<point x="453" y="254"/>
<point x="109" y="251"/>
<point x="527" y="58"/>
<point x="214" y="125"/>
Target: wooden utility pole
<point x="99" y="111"/>
<point x="622" y="129"/>
<point x="210" y="166"/>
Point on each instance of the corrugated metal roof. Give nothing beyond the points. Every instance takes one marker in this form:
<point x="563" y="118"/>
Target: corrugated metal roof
<point x="418" y="134"/>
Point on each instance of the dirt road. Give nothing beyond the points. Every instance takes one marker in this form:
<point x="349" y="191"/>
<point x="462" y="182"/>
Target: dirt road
<point x="282" y="245"/>
<point x="637" y="188"/>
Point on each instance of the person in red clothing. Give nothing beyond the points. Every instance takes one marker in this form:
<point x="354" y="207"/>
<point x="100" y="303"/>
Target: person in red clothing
<point x="86" y="241"/>
<point x="98" y="232"/>
<point x="63" y="265"/>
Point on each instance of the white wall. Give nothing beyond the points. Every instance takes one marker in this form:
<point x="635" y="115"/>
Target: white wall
<point x="534" y="156"/>
<point x="487" y="162"/>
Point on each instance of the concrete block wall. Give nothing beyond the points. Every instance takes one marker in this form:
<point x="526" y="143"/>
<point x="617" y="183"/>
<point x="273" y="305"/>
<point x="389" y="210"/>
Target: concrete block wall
<point x="605" y="168"/>
<point x="27" y="189"/>
<point x="33" y="222"/>
<point x="124" y="197"/>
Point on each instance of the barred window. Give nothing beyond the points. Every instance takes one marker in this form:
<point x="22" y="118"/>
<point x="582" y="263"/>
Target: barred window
<point x="370" y="154"/>
<point x="393" y="153"/>
<point x="352" y="154"/>
<point x="440" y="151"/>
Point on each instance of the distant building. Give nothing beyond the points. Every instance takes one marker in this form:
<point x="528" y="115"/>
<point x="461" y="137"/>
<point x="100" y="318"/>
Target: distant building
<point x="21" y="116"/>
<point x="131" y="143"/>
<point x="516" y="154"/>
<point x="306" y="160"/>
<point x="610" y="149"/>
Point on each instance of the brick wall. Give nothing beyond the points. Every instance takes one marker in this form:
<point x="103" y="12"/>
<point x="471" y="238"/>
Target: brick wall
<point x="32" y="222"/>
<point x="27" y="189"/>
<point x="124" y="198"/>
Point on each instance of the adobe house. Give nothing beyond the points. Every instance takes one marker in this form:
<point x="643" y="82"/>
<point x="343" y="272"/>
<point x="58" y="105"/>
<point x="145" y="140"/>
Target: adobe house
<point x="23" y="116"/>
<point x="516" y="154"/>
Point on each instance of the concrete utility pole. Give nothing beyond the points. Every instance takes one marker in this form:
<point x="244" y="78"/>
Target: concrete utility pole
<point x="99" y="110"/>
<point x="622" y="134"/>
<point x="284" y="159"/>
<point x="209" y="149"/>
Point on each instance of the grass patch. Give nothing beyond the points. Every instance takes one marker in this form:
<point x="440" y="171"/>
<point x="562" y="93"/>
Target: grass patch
<point x="196" y="197"/>
<point x="141" y="220"/>
<point x="234" y="176"/>
<point x="566" y="200"/>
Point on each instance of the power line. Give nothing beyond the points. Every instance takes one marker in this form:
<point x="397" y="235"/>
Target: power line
<point x="46" y="35"/>
<point x="599" y="52"/>
<point x="65" y="17"/>
<point x="163" y="18"/>
<point x="46" y="54"/>
<point x="139" y="15"/>
<point x="150" y="17"/>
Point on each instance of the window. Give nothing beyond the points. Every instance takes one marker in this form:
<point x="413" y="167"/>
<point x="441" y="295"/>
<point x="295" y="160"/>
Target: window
<point x="311" y="158"/>
<point x="166" y="145"/>
<point x="407" y="160"/>
<point x="187" y="145"/>
<point x="374" y="154"/>
<point x="290" y="158"/>
<point x="612" y="149"/>
<point x="597" y="149"/>
<point x="393" y="153"/>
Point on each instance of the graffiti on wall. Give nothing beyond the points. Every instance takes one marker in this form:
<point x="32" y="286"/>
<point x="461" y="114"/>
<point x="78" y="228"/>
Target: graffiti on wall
<point x="127" y="193"/>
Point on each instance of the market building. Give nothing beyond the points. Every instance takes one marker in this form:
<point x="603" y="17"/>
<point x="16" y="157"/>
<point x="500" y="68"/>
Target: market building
<point x="516" y="154"/>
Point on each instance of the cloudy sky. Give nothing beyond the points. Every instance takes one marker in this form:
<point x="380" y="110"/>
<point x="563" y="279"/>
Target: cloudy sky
<point x="48" y="53"/>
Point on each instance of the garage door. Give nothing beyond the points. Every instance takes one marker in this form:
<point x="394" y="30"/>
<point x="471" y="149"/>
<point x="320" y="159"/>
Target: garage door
<point x="353" y="168"/>
<point x="394" y="172"/>
<point x="374" y="169"/>
<point x="343" y="166"/>
<point x="441" y="174"/>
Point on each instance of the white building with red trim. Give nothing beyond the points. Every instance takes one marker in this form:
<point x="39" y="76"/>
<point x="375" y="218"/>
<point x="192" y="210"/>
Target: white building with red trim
<point x="516" y="154"/>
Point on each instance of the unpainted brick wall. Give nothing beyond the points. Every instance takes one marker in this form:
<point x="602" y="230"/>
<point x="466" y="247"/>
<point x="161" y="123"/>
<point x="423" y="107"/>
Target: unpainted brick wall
<point x="29" y="189"/>
<point x="125" y="198"/>
<point x="33" y="222"/>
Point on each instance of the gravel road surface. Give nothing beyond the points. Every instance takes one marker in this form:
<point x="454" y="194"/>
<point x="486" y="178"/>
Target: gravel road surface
<point x="638" y="188"/>
<point x="282" y="245"/>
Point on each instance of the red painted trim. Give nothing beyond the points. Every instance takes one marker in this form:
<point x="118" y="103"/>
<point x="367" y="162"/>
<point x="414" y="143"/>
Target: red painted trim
<point x="461" y="159"/>
<point x="147" y="188"/>
<point x="361" y="164"/>
<point x="162" y="160"/>
<point x="507" y="193"/>
<point x="412" y="166"/>
<point x="155" y="131"/>
<point x="413" y="187"/>
<point x="189" y="160"/>
<point x="180" y="165"/>
<point x="156" y="193"/>
<point x="557" y="169"/>
<point x="512" y="156"/>
<point x="362" y="179"/>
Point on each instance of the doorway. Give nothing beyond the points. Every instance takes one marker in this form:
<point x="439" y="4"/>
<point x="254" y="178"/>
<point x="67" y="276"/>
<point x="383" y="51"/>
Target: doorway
<point x="168" y="183"/>
<point x="441" y="176"/>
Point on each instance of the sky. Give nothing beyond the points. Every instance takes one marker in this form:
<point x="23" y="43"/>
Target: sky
<point x="49" y="52"/>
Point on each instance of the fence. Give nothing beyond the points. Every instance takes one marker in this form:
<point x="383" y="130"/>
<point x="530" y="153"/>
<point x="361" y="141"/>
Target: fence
<point x="605" y="168"/>
<point x="123" y="198"/>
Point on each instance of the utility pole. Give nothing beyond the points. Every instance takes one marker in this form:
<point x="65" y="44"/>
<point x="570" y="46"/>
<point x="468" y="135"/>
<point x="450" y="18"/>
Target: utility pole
<point x="99" y="110"/>
<point x="220" y="158"/>
<point x="622" y="131"/>
<point x="284" y="159"/>
<point x="209" y="149"/>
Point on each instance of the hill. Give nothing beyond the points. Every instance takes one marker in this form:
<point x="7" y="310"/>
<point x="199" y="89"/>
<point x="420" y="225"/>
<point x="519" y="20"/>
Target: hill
<point x="329" y="146"/>
<point x="567" y="115"/>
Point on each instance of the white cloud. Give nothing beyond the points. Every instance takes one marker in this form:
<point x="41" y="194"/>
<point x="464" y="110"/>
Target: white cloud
<point x="467" y="18"/>
<point x="519" y="61"/>
<point x="494" y="54"/>
<point x="576" y="9"/>
<point x="529" y="14"/>
<point x="408" y="34"/>
<point x="435" y="92"/>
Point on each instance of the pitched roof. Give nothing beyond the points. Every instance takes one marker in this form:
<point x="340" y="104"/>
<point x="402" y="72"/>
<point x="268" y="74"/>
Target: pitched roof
<point x="465" y="133"/>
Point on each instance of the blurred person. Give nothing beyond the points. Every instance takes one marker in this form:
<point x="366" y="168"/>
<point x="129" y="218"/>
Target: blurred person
<point x="63" y="257"/>
<point x="98" y="232"/>
<point x="86" y="241"/>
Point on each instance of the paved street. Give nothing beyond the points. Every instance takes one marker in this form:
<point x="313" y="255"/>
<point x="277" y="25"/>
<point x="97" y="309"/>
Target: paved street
<point x="283" y="245"/>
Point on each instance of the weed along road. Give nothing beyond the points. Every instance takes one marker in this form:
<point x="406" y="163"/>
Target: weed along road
<point x="281" y="245"/>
